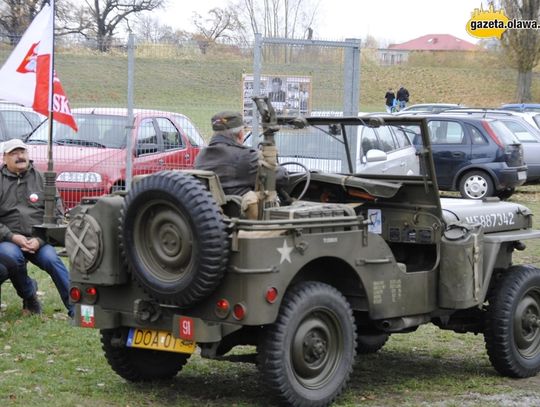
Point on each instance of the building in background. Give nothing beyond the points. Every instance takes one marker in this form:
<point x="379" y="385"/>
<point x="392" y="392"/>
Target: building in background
<point x="397" y="54"/>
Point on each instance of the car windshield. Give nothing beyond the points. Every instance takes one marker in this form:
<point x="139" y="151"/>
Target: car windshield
<point x="95" y="130"/>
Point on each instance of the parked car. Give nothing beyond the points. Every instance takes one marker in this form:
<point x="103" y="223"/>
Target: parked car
<point x="533" y="118"/>
<point x="524" y="128"/>
<point x="477" y="156"/>
<point x="92" y="162"/>
<point x="378" y="150"/>
<point x="430" y="107"/>
<point x="522" y="107"/>
<point x="17" y="121"/>
<point x="529" y="136"/>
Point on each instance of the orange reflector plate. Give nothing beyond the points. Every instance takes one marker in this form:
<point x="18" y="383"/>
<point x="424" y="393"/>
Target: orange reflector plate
<point x="158" y="340"/>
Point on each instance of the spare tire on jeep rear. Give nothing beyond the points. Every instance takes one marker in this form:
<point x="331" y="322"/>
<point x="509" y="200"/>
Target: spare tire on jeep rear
<point x="174" y="238"/>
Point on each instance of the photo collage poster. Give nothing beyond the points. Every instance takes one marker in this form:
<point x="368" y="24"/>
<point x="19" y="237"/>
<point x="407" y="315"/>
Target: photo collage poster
<point x="290" y="95"/>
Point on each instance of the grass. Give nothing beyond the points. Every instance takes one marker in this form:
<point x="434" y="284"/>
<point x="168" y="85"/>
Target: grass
<point x="46" y="362"/>
<point x="181" y="79"/>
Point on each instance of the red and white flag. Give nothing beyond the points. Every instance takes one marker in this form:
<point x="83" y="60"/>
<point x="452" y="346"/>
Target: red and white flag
<point x="26" y="74"/>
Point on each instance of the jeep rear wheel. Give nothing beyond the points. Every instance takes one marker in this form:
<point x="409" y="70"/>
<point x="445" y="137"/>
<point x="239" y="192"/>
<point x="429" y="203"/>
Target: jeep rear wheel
<point x="512" y="332"/>
<point x="307" y="355"/>
<point x="476" y="185"/>
<point x="139" y="365"/>
<point x="174" y="238"/>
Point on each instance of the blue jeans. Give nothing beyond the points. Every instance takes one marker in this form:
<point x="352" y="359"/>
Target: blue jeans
<point x="401" y="104"/>
<point x="46" y="259"/>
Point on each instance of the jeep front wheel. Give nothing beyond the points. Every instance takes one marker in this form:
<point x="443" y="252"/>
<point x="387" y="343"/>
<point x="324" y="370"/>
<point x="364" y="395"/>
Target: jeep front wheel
<point x="476" y="185"/>
<point x="174" y="238"/>
<point x="307" y="355"/>
<point x="512" y="331"/>
<point x="139" y="365"/>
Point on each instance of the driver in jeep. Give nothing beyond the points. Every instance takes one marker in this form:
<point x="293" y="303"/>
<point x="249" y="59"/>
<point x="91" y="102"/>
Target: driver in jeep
<point x="234" y="163"/>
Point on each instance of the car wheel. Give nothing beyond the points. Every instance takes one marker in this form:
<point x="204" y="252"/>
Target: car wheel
<point x="139" y="365"/>
<point x="174" y="238"/>
<point x="512" y="330"/>
<point x="306" y="356"/>
<point x="476" y="185"/>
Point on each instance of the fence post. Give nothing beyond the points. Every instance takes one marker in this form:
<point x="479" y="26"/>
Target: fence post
<point x="130" y="125"/>
<point x="351" y="93"/>
<point x="257" y="67"/>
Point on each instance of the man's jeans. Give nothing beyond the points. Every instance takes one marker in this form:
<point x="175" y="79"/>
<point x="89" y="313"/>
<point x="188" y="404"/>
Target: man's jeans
<point x="402" y="104"/>
<point x="46" y="259"/>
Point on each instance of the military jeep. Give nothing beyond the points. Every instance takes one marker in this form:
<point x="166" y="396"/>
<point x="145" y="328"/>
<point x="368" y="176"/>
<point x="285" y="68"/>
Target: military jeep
<point x="333" y="265"/>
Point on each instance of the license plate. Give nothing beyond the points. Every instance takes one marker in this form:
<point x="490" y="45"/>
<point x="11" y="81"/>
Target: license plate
<point x="522" y="175"/>
<point x="158" y="340"/>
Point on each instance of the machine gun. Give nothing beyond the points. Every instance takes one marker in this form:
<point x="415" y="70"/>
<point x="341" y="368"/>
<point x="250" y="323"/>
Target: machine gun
<point x="265" y="187"/>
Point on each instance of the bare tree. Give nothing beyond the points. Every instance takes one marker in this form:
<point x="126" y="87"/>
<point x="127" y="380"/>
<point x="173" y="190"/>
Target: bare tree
<point x="522" y="46"/>
<point x="150" y="29"/>
<point x="221" y="23"/>
<point x="106" y="16"/>
<point x="279" y="18"/>
<point x="16" y="16"/>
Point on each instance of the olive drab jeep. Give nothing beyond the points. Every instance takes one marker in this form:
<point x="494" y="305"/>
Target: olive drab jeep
<point x="332" y="265"/>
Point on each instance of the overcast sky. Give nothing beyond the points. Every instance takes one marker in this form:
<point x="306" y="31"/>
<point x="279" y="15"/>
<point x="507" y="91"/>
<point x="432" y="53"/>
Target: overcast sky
<point x="387" y="20"/>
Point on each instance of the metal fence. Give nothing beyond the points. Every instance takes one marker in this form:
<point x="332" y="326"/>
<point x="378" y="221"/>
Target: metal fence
<point x="171" y="90"/>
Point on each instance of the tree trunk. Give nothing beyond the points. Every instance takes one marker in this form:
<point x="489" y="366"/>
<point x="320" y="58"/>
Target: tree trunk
<point x="524" y="86"/>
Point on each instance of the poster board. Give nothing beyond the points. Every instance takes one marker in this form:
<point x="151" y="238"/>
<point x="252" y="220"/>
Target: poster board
<point x="290" y="95"/>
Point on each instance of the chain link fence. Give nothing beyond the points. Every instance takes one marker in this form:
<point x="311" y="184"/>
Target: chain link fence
<point x="174" y="89"/>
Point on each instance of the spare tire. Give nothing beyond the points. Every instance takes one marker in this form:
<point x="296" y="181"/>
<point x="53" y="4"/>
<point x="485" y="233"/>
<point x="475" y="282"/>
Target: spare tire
<point x="174" y="238"/>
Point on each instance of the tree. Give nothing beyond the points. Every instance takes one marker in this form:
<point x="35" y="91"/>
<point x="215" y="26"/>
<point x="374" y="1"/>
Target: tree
<point x="221" y="23"/>
<point x="279" y="18"/>
<point x="16" y="16"/>
<point x="522" y="46"/>
<point x="104" y="17"/>
<point x="150" y="29"/>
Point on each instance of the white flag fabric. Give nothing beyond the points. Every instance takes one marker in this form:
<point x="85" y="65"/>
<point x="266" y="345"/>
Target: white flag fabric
<point x="25" y="76"/>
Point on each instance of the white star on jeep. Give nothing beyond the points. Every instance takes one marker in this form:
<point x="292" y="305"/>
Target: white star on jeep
<point x="285" y="252"/>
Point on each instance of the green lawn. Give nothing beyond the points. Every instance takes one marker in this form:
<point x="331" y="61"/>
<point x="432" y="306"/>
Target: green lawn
<point x="46" y="362"/>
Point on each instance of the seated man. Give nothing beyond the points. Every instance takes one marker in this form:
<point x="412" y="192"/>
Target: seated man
<point x="235" y="164"/>
<point x="21" y="207"/>
<point x="8" y="270"/>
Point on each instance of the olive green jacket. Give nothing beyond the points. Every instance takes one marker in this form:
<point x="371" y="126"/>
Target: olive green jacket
<point x="22" y="202"/>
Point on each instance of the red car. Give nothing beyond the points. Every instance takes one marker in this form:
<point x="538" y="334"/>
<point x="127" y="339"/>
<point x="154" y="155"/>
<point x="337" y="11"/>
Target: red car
<point x="92" y="162"/>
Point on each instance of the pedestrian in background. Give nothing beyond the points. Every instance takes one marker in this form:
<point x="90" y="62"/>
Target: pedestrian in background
<point x="402" y="97"/>
<point x="390" y="97"/>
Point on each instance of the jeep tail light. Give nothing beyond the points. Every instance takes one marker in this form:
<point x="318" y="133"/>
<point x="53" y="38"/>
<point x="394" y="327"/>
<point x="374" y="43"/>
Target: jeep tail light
<point x="271" y="295"/>
<point x="492" y="134"/>
<point x="222" y="308"/>
<point x="239" y="311"/>
<point x="90" y="294"/>
<point x="75" y="294"/>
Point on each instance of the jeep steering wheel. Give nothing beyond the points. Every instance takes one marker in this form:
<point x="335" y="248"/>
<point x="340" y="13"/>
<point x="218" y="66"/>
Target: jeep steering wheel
<point x="306" y="176"/>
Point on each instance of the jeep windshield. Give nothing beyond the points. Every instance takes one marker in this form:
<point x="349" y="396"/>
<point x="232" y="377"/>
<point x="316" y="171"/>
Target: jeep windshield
<point x="351" y="146"/>
<point x="95" y="130"/>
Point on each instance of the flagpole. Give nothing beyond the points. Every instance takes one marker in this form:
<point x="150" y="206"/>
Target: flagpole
<point x="50" y="163"/>
<point x="50" y="176"/>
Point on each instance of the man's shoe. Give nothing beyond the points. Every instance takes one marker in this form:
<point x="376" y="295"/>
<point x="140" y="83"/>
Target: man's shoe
<point x="31" y="305"/>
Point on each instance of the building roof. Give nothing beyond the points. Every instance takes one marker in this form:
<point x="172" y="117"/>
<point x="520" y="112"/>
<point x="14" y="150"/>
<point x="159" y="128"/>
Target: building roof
<point x="435" y="42"/>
